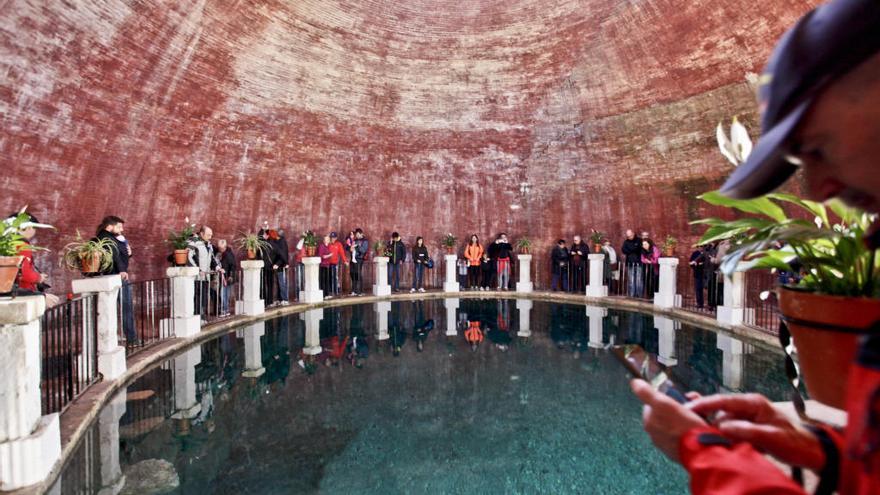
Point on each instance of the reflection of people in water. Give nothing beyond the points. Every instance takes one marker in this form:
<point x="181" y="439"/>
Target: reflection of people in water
<point x="358" y="348"/>
<point x="421" y="326"/>
<point x="473" y="335"/>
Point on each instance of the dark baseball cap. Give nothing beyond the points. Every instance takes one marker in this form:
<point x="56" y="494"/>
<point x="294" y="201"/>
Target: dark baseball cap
<point x="825" y="44"/>
<point x="332" y="234"/>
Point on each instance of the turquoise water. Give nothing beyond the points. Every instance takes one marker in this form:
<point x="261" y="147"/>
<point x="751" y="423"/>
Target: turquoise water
<point x="410" y="410"/>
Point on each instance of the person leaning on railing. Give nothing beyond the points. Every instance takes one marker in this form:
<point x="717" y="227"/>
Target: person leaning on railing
<point x="112" y="228"/>
<point x="820" y="103"/>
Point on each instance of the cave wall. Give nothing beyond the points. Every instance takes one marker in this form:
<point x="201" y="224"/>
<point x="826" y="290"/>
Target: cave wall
<point x="542" y="118"/>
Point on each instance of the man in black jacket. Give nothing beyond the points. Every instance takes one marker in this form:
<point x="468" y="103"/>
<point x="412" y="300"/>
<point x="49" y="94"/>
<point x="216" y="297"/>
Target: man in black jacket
<point x="579" y="252"/>
<point x="398" y="257"/>
<point x="226" y="267"/>
<point x="112" y="228"/>
<point x="359" y="249"/>
<point x="501" y="251"/>
<point x="632" y="252"/>
<point x="559" y="259"/>
<point x="280" y="260"/>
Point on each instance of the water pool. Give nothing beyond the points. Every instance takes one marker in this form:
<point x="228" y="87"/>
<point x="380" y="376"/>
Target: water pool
<point x="435" y="396"/>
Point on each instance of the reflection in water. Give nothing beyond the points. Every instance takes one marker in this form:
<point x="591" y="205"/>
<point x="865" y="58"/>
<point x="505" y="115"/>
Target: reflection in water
<point x="364" y="410"/>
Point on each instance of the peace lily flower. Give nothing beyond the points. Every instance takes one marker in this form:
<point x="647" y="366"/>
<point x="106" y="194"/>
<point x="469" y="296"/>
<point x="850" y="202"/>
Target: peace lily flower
<point x="738" y="146"/>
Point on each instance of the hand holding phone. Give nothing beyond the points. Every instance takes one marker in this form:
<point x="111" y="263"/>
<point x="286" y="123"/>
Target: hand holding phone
<point x="641" y="364"/>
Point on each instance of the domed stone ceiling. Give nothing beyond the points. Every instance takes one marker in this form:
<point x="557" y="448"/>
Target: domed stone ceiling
<point x="539" y="117"/>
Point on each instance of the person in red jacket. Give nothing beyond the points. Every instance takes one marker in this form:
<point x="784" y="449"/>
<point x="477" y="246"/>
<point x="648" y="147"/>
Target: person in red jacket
<point x="29" y="277"/>
<point x="339" y="258"/>
<point x="820" y="105"/>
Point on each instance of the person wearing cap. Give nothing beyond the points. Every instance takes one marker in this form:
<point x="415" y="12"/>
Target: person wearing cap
<point x="29" y="278"/>
<point x="820" y="112"/>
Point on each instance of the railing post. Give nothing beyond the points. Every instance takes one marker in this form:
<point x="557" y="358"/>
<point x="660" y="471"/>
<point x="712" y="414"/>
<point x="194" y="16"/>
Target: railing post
<point x="666" y="295"/>
<point x="253" y="351"/>
<point x="251" y="302"/>
<point x="451" y="284"/>
<point x="312" y="293"/>
<point x="733" y="311"/>
<point x="597" y="287"/>
<point x="30" y="444"/>
<point x="524" y="307"/>
<point x="666" y="329"/>
<point x="313" y="319"/>
<point x="382" y="309"/>
<point x="381" y="287"/>
<point x="451" y="305"/>
<point x="525" y="284"/>
<point x="183" y="321"/>
<point x="111" y="355"/>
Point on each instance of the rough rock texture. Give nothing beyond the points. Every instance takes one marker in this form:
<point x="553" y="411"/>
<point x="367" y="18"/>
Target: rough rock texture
<point x="539" y="117"/>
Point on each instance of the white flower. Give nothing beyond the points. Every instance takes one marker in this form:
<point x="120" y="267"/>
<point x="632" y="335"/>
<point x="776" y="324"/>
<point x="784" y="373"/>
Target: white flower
<point x="738" y="146"/>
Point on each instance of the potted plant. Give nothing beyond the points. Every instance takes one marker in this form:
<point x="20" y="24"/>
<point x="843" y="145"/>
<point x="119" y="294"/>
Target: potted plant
<point x="252" y="245"/>
<point x="11" y="243"/>
<point x="88" y="256"/>
<point x="524" y="245"/>
<point x="596" y="237"/>
<point x="310" y="242"/>
<point x="835" y="296"/>
<point x="669" y="246"/>
<point x="379" y="247"/>
<point x="448" y="241"/>
<point x="179" y="240"/>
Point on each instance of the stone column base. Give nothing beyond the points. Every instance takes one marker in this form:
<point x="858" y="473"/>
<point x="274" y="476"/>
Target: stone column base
<point x="312" y="296"/>
<point x="667" y="300"/>
<point x="312" y="350"/>
<point x="600" y="291"/>
<point x="181" y="327"/>
<point x="111" y="364"/>
<point x="525" y="287"/>
<point x="188" y="413"/>
<point x="250" y="308"/>
<point x="253" y="373"/>
<point x="381" y="290"/>
<point x="29" y="460"/>
<point x="451" y="287"/>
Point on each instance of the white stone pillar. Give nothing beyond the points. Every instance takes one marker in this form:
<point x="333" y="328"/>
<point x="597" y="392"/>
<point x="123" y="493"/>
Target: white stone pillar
<point x="313" y="319"/>
<point x="185" y="404"/>
<point x="183" y="322"/>
<point x="666" y="295"/>
<point x="524" y="306"/>
<point x="253" y="351"/>
<point x="666" y="331"/>
<point x="732" y="360"/>
<point x="525" y="284"/>
<point x="451" y="284"/>
<point x="251" y="277"/>
<point x="111" y="355"/>
<point x="112" y="479"/>
<point x="381" y="287"/>
<point x="451" y="305"/>
<point x="382" y="310"/>
<point x="30" y="444"/>
<point x="596" y="317"/>
<point x="312" y="292"/>
<point x="733" y="311"/>
<point x="597" y="287"/>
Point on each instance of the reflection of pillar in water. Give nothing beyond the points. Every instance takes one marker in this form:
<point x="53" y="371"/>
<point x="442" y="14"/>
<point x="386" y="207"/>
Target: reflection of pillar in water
<point x="732" y="360"/>
<point x="524" y="306"/>
<point x="185" y="404"/>
<point x="382" y="310"/>
<point x="451" y="318"/>
<point x="595" y="319"/>
<point x="313" y="319"/>
<point x="666" y="328"/>
<point x="112" y="479"/>
<point x="253" y="352"/>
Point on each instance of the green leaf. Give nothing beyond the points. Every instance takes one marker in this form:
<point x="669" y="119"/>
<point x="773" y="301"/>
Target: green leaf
<point x="761" y="205"/>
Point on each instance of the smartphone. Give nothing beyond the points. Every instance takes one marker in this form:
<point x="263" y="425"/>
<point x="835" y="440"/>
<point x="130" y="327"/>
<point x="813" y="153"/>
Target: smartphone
<point x="642" y="364"/>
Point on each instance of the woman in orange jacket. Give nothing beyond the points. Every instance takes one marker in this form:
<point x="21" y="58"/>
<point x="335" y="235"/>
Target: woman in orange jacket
<point x="473" y="253"/>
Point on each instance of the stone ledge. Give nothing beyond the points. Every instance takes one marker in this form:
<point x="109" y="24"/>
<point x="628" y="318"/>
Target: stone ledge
<point x="21" y="310"/>
<point x="182" y="271"/>
<point x="106" y="283"/>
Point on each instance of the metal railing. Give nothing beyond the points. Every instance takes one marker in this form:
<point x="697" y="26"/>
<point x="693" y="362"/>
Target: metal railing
<point x="69" y="334"/>
<point x="699" y="289"/>
<point x="759" y="287"/>
<point x="140" y="318"/>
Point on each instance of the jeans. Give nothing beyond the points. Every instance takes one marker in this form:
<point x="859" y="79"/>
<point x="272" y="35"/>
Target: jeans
<point x="560" y="278"/>
<point x="418" y="276"/>
<point x="324" y="280"/>
<point x="127" y="312"/>
<point x="357" y="283"/>
<point x="698" y="289"/>
<point x="635" y="280"/>
<point x="473" y="276"/>
<point x="225" y="291"/>
<point x="281" y="274"/>
<point x="394" y="276"/>
<point x="503" y="273"/>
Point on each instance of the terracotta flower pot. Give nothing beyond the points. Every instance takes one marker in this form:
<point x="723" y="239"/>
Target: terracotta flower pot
<point x="669" y="252"/>
<point x="9" y="266"/>
<point x="825" y="355"/>
<point x="251" y="254"/>
<point x="450" y="249"/>
<point x="91" y="264"/>
<point x="180" y="256"/>
<point x="597" y="248"/>
<point x="310" y="251"/>
<point x="523" y="250"/>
